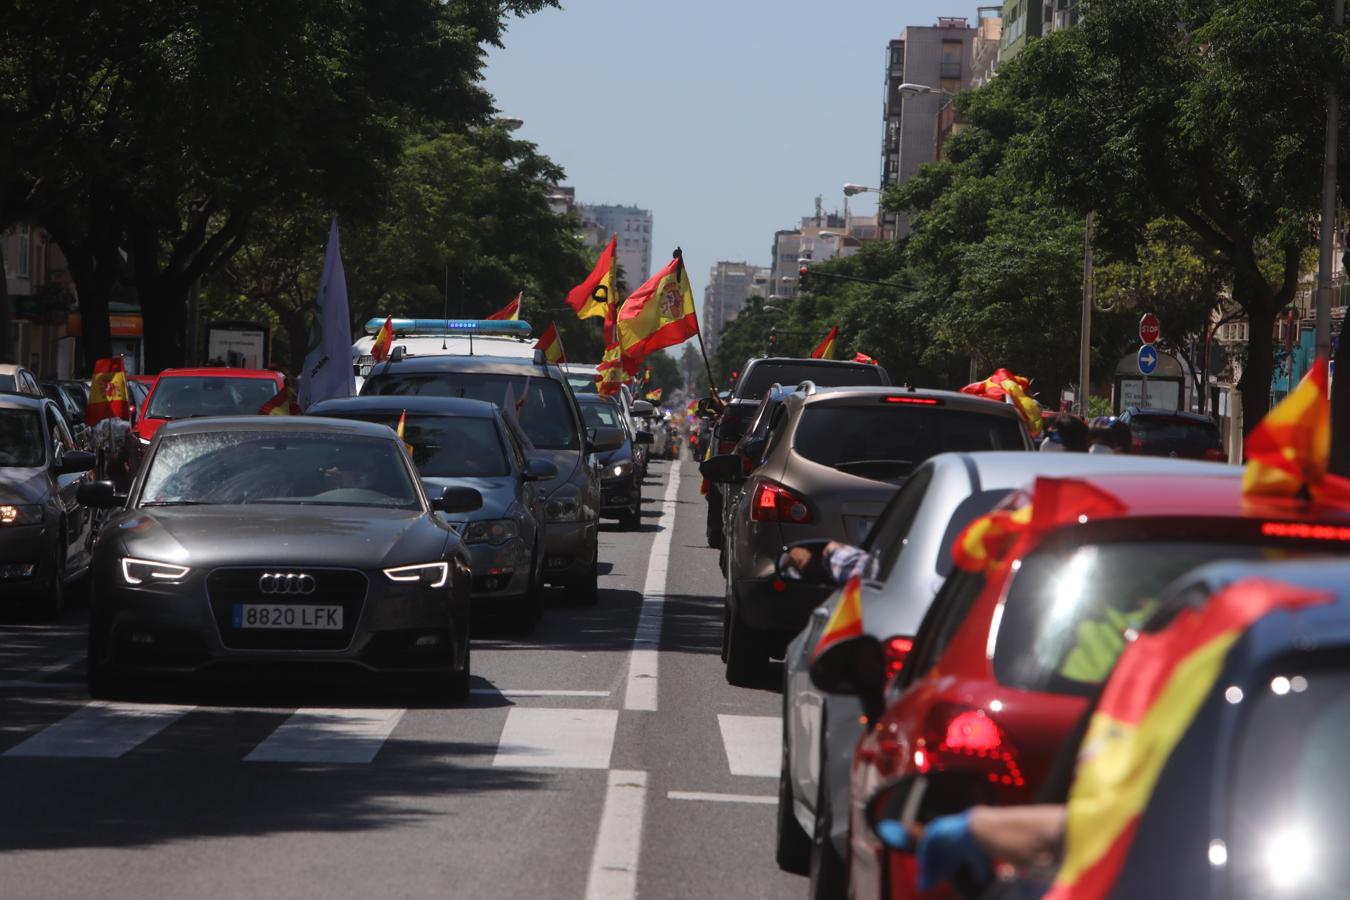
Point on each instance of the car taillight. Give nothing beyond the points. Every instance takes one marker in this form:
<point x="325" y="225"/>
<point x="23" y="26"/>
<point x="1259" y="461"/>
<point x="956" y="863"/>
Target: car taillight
<point x="897" y="649"/>
<point x="966" y="739"/>
<point x="913" y="401"/>
<point x="1136" y="445"/>
<point x="1216" y="454"/>
<point x="775" y="503"/>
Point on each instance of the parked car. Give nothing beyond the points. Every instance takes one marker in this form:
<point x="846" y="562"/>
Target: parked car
<point x="18" y="380"/>
<point x="468" y="443"/>
<point x="259" y="543"/>
<point x="832" y="460"/>
<point x="1167" y="432"/>
<point x="72" y="410"/>
<point x="620" y="480"/>
<point x="45" y="531"/>
<point x="185" y="393"/>
<point x="535" y="394"/>
<point x="1005" y="659"/>
<point x="909" y="552"/>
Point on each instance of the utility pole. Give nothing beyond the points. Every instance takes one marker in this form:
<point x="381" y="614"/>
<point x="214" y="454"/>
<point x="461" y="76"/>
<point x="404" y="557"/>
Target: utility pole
<point x="1325" y="262"/>
<point x="1085" y="343"/>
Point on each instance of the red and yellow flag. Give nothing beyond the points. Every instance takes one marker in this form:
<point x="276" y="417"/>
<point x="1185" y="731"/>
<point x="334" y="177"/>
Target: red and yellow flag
<point x="825" y="349"/>
<point x="610" y="374"/>
<point x="509" y="312"/>
<point x="1287" y="452"/>
<point x="107" y="392"/>
<point x="1004" y="386"/>
<point x="384" y="341"/>
<point x="283" y="404"/>
<point x="592" y="297"/>
<point x="864" y="358"/>
<point x="655" y="395"/>
<point x="1158" y="686"/>
<point x="846" y="620"/>
<point x="551" y="343"/>
<point x="659" y="314"/>
<point x="984" y="543"/>
<point x="402" y="424"/>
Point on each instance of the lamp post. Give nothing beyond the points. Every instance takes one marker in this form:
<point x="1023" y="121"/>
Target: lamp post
<point x="1325" y="263"/>
<point x="910" y="89"/>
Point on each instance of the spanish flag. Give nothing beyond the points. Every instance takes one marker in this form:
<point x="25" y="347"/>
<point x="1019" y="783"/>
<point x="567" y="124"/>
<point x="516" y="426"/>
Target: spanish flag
<point x="655" y="396"/>
<point x="610" y="374"/>
<point x="509" y="312"/>
<point x="1287" y="452"/>
<point x="107" y="392"/>
<point x="1004" y="386"/>
<point x="384" y="341"/>
<point x="846" y="620"/>
<point x="825" y="349"/>
<point x="985" y="542"/>
<point x="591" y="298"/>
<point x="658" y="314"/>
<point x="283" y="404"/>
<point x="551" y="344"/>
<point x="402" y="424"/>
<point x="1157" y="688"/>
<point x="864" y="358"/>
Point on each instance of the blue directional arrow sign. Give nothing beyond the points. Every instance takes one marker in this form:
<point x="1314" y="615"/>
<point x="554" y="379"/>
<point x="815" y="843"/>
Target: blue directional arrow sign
<point x="1148" y="360"/>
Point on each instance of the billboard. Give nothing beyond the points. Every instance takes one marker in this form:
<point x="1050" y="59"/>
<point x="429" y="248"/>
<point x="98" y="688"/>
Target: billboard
<point x="241" y="345"/>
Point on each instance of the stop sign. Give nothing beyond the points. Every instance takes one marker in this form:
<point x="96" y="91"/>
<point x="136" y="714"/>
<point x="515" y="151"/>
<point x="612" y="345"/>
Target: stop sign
<point x="1149" y="328"/>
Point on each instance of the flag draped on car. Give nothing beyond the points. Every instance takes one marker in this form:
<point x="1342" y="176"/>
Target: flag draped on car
<point x="1288" y="451"/>
<point x="384" y="341"/>
<point x="327" y="371"/>
<point x="509" y="312"/>
<point x="551" y="343"/>
<point x="591" y="298"/>
<point x="659" y="314"/>
<point x="1006" y="387"/>
<point x="864" y="358"/>
<point x="825" y="349"/>
<point x="107" y="392"/>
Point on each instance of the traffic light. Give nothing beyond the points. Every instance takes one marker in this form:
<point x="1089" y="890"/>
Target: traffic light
<point x="803" y="283"/>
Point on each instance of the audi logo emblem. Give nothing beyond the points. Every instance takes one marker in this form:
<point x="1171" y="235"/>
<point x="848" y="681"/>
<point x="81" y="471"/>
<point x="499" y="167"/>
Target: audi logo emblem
<point x="286" y="583"/>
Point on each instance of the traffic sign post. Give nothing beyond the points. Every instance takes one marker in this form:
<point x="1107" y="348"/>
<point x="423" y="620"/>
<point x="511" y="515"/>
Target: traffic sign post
<point x="1148" y="359"/>
<point x="1149" y="328"/>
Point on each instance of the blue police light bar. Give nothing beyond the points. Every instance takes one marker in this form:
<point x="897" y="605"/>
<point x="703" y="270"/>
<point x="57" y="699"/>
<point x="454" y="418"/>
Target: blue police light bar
<point x="506" y="327"/>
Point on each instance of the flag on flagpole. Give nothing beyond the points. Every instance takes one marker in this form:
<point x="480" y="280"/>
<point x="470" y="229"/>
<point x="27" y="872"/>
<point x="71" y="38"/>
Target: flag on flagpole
<point x="1288" y="452"/>
<point x="551" y="343"/>
<point x="403" y="424"/>
<point x="592" y="297"/>
<point x="283" y="404"/>
<point x="846" y="620"/>
<point x="107" y="392"/>
<point x="825" y="349"/>
<point x="327" y="371"/>
<point x="509" y="312"/>
<point x="659" y="314"/>
<point x="384" y="341"/>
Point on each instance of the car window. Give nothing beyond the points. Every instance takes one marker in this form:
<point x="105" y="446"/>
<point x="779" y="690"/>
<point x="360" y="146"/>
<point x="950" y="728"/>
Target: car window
<point x="56" y="423"/>
<point x="449" y="446"/>
<point x="891" y="531"/>
<point x="1150" y="428"/>
<point x="183" y="396"/>
<point x="777" y="428"/>
<point x="885" y="441"/>
<point x="581" y="383"/>
<point x="514" y="447"/>
<point x="943" y="619"/>
<point x="755" y="383"/>
<point x="21" y="439"/>
<point x="8" y="384"/>
<point x="308" y="468"/>
<point x="542" y="404"/>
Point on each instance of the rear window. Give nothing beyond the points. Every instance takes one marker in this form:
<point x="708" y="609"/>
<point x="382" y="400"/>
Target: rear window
<point x="1067" y="611"/>
<point x="600" y="415"/>
<point x="581" y="384"/>
<point x="1175" y="431"/>
<point x="766" y="374"/>
<point x="181" y="396"/>
<point x="886" y="442"/>
<point x="449" y="446"/>
<point x="542" y="404"/>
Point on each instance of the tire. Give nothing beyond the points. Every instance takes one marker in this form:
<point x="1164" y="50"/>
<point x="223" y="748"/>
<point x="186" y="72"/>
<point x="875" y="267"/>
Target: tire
<point x="49" y="606"/>
<point x="448" y="687"/>
<point x="829" y="872"/>
<point x="103" y="684"/>
<point x="586" y="592"/>
<point x="631" y="519"/>
<point x="793" y="849"/>
<point x="714" y="528"/>
<point x="747" y="654"/>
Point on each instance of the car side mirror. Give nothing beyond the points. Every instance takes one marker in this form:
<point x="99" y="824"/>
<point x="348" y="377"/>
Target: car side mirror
<point x="76" y="461"/>
<point x="724" y="469"/>
<point x="99" y="495"/>
<point x="643" y="409"/>
<point x="808" y="567"/>
<point x="854" y="666"/>
<point x="606" y="438"/>
<point x="643" y="437"/>
<point x="537" y="469"/>
<point x="457" y="500"/>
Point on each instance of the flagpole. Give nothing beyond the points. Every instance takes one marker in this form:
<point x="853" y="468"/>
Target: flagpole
<point x="698" y="329"/>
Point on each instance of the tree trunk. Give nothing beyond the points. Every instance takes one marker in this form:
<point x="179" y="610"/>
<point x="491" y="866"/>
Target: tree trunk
<point x="6" y="311"/>
<point x="93" y="284"/>
<point x="1340" y="410"/>
<point x="1256" y="374"/>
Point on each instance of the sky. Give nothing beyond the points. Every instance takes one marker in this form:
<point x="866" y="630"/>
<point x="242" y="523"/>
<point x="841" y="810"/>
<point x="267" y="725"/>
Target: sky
<point x="725" y="118"/>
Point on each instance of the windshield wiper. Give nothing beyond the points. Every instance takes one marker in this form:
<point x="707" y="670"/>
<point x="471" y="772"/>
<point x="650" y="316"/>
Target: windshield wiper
<point x="176" y="503"/>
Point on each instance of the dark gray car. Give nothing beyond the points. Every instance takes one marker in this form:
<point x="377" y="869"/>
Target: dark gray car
<point x="283" y="545"/>
<point x="45" y="532"/>
<point x="468" y="443"/>
<point x="620" y="476"/>
<point x="910" y="552"/>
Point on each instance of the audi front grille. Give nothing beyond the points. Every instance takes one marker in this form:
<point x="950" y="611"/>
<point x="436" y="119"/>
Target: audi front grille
<point x="286" y="585"/>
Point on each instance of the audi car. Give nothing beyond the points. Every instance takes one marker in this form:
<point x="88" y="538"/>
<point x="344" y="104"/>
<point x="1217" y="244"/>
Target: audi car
<point x="276" y="546"/>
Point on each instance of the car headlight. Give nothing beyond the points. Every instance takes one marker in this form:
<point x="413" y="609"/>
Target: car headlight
<point x="619" y="470"/>
<point x="139" y="571"/>
<point x="489" y="531"/>
<point x="21" y="514"/>
<point x="430" y="574"/>
<point x="564" y="505"/>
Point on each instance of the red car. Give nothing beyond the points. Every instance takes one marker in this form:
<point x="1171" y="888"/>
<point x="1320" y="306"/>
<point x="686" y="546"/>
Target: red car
<point x="1006" y="659"/>
<point x="183" y="393"/>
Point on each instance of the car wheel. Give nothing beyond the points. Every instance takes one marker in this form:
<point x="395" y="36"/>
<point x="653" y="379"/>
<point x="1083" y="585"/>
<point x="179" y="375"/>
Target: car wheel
<point x="793" y="850"/>
<point x="586" y="592"/>
<point x="102" y="683"/>
<point x="49" y="606"/>
<point x="714" y="529"/>
<point x="532" y="608"/>
<point x="747" y="654"/>
<point x="451" y="686"/>
<point x="631" y="519"/>
<point x="829" y="874"/>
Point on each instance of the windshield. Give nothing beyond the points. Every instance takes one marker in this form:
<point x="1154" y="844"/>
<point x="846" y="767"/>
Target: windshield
<point x="21" y="439"/>
<point x="542" y="404"/>
<point x="450" y="446"/>
<point x="788" y="373"/>
<point x="181" y="396"/>
<point x="600" y="415"/>
<point x="300" y="467"/>
<point x="1288" y="796"/>
<point x="1065" y="616"/>
<point x="886" y="442"/>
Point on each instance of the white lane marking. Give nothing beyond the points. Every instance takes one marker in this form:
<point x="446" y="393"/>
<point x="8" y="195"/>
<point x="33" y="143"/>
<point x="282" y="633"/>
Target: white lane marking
<point x="535" y="738"/>
<point x="721" y="798"/>
<point x="641" y="691"/>
<point x="101" y="730"/>
<point x="753" y="744"/>
<point x="618" y="842"/>
<point x="58" y="666"/>
<point x="532" y="692"/>
<point x="315" y="735"/>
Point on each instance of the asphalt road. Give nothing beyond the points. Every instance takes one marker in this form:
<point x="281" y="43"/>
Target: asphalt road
<point x="602" y="756"/>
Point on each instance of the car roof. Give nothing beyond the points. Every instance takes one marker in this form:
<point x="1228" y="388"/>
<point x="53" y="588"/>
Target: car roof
<point x="219" y="372"/>
<point x="437" y="406"/>
<point x="496" y="365"/>
<point x="597" y="400"/>
<point x="1013" y="467"/>
<point x="211" y="424"/>
<point x="22" y="401"/>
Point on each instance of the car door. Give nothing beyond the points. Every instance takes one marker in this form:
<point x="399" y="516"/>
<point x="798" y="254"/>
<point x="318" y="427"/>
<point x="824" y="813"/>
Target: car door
<point x="78" y="520"/>
<point x="529" y="490"/>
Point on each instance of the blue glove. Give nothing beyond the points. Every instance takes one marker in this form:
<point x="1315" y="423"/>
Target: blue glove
<point x="946" y="845"/>
<point x="895" y="835"/>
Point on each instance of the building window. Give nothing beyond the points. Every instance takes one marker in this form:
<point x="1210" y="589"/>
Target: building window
<point x="25" y="259"/>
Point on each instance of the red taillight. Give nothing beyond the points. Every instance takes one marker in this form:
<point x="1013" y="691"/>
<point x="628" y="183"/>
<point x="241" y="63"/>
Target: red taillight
<point x="915" y="401"/>
<point x="966" y="739"/>
<point x="897" y="649"/>
<point x="1306" y="531"/>
<point x="973" y="731"/>
<point x="775" y="503"/>
<point x="1216" y="454"/>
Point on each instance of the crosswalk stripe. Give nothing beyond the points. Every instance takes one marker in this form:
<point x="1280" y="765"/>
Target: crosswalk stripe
<point x="101" y="730"/>
<point x="328" y="736"/>
<point x="536" y="738"/>
<point x="753" y="744"/>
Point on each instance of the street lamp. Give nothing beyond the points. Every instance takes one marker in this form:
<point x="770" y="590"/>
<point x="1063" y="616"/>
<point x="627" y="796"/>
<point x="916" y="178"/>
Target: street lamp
<point x="510" y="123"/>
<point x="851" y="189"/>
<point x="909" y="89"/>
